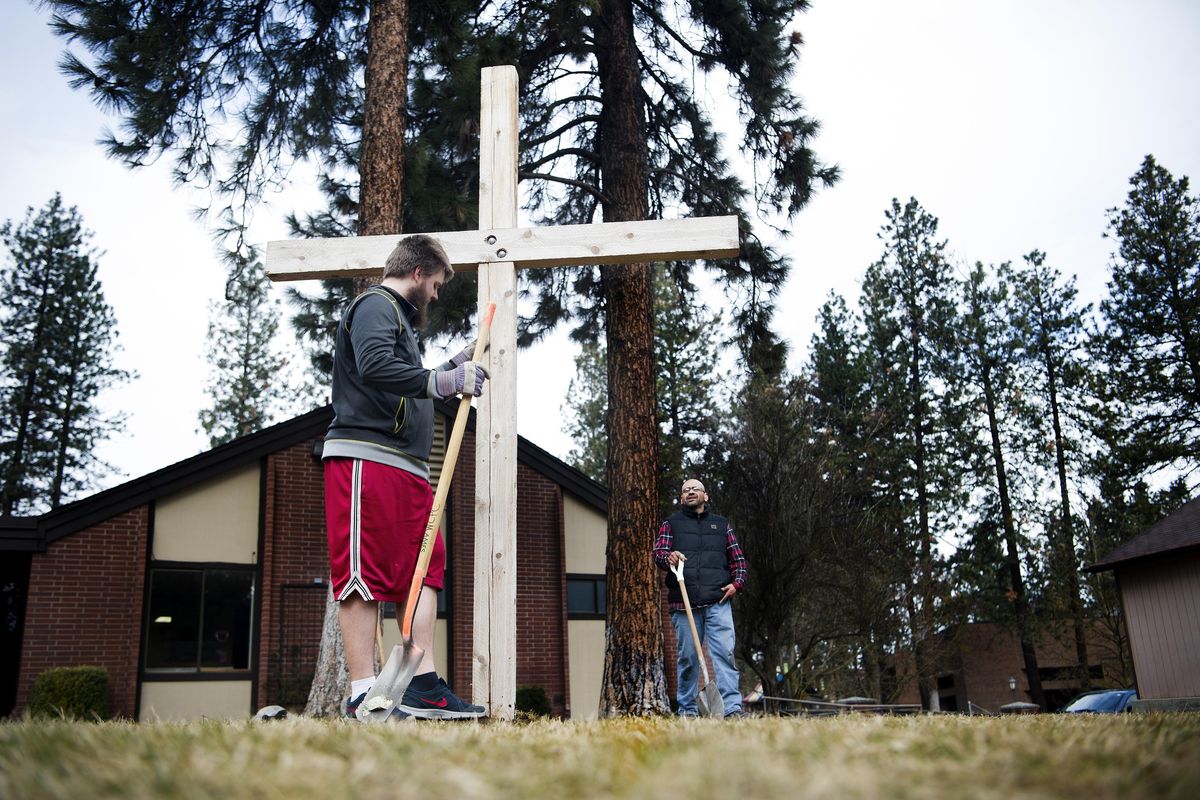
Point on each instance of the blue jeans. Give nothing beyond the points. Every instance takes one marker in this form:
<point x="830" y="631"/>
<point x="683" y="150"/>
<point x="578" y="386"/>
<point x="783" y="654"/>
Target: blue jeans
<point x="714" y="624"/>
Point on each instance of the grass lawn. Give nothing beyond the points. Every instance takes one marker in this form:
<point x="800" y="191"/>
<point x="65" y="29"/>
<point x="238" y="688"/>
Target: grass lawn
<point x="1091" y="757"/>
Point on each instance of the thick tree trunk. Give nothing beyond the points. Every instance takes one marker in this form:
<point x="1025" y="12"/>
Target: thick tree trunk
<point x="634" y="679"/>
<point x="381" y="168"/>
<point x="331" y="683"/>
<point x="380" y="211"/>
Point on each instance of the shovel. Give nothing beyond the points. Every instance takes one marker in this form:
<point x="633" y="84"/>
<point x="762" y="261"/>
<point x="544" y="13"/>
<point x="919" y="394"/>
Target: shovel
<point x="405" y="657"/>
<point x="709" y="696"/>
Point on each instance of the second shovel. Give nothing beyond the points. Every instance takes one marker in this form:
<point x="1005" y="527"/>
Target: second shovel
<point x="709" y="696"/>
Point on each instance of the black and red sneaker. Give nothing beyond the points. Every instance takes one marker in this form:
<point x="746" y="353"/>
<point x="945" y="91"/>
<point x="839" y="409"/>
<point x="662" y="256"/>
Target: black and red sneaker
<point x="437" y="703"/>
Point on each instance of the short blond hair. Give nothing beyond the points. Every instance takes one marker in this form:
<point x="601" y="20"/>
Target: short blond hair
<point x="411" y="252"/>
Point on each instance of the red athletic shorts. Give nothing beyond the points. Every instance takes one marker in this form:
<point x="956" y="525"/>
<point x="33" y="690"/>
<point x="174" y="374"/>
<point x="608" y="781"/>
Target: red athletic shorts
<point x="375" y="517"/>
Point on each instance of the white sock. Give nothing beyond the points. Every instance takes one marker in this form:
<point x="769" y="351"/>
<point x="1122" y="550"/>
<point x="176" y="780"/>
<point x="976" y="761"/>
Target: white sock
<point x="361" y="685"/>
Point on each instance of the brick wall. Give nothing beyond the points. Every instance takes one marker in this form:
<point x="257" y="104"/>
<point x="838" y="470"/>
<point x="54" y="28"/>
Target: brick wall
<point x="461" y="569"/>
<point x="541" y="588"/>
<point x="541" y="581"/>
<point x="294" y="554"/>
<point x="85" y="607"/>
<point x="982" y="656"/>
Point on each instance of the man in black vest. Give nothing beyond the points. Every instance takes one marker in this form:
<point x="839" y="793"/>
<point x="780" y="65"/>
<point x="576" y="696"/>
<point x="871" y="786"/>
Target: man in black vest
<point x="714" y="571"/>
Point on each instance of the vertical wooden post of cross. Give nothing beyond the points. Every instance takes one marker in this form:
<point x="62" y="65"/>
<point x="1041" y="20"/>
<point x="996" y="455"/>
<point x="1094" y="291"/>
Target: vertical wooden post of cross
<point x="494" y="661"/>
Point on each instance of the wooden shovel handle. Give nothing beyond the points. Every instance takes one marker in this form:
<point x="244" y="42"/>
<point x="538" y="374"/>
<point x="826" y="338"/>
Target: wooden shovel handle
<point x="443" y="485"/>
<point x="677" y="568"/>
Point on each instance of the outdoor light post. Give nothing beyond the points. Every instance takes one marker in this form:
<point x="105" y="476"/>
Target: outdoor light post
<point x="1012" y="686"/>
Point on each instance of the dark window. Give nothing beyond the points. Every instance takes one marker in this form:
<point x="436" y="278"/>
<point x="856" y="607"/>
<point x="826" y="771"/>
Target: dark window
<point x="585" y="596"/>
<point x="200" y="619"/>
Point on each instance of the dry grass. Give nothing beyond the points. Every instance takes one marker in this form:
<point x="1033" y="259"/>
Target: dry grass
<point x="1092" y="757"/>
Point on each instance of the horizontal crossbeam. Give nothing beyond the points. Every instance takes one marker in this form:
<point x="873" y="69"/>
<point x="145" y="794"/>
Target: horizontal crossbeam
<point x="557" y="246"/>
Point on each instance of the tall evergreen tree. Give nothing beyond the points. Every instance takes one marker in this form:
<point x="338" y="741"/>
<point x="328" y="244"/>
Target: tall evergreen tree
<point x="991" y="356"/>
<point x="909" y="315"/>
<point x="1152" y="319"/>
<point x="613" y="130"/>
<point x="771" y="482"/>
<point x="59" y="341"/>
<point x="1053" y="325"/>
<point x="685" y="399"/>
<point x="587" y="404"/>
<point x="245" y="383"/>
<point x="867" y="566"/>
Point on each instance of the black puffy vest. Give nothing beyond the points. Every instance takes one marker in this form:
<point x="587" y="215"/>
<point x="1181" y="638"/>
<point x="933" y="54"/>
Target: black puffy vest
<point x="700" y="537"/>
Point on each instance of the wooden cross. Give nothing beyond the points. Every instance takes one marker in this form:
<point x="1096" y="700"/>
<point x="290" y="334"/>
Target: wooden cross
<point x="497" y="250"/>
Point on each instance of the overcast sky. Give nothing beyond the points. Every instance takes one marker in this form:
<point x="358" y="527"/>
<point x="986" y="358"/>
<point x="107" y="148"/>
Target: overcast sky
<point x="1017" y="124"/>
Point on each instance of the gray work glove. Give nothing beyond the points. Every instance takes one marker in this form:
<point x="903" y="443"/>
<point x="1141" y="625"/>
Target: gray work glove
<point x="463" y="356"/>
<point x="466" y="378"/>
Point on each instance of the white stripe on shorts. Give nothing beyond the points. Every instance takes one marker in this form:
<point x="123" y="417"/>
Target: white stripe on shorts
<point x="356" y="582"/>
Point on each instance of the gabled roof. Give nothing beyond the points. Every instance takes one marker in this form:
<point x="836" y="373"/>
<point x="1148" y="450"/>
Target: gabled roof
<point x="1177" y="532"/>
<point x="33" y="534"/>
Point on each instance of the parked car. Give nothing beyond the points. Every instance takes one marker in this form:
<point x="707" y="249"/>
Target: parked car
<point x="1104" y="701"/>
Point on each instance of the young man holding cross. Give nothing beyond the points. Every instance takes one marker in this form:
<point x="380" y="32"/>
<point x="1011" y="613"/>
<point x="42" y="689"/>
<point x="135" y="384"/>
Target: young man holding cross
<point x="715" y="572"/>
<point x="376" y="454"/>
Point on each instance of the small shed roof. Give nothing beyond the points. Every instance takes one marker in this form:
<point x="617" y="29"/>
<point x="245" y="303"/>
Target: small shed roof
<point x="1179" y="531"/>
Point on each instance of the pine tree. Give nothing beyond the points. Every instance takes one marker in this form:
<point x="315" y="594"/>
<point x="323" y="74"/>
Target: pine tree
<point x="771" y="483"/>
<point x="909" y="316"/>
<point x="613" y="130"/>
<point x="685" y="400"/>
<point x="59" y="342"/>
<point x="1152" y="320"/>
<point x="1052" y="324"/>
<point x="587" y="407"/>
<point x="245" y="383"/>
<point x="868" y="564"/>
<point x="991" y="356"/>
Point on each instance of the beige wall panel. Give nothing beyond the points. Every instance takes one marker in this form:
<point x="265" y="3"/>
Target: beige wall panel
<point x="391" y="638"/>
<point x="586" y="532"/>
<point x="1162" y="607"/>
<point x="184" y="700"/>
<point x="586" y="660"/>
<point x="214" y="521"/>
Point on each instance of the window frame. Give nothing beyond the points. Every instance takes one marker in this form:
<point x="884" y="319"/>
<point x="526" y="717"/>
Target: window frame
<point x="599" y="595"/>
<point x="249" y="672"/>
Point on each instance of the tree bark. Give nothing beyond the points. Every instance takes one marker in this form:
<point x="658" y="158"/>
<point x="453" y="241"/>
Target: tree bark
<point x="380" y="211"/>
<point x="634" y="681"/>
<point x="331" y="683"/>
<point x="381" y="163"/>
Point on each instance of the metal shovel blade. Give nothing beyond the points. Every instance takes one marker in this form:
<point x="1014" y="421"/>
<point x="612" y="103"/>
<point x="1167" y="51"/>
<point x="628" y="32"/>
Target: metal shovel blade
<point x="711" y="704"/>
<point x="393" y="680"/>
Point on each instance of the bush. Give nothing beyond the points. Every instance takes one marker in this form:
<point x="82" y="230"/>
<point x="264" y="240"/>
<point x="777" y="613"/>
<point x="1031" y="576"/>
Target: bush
<point x="533" y="701"/>
<point x="73" y="692"/>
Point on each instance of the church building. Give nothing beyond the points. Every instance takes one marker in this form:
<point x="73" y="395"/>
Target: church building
<point x="201" y="587"/>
